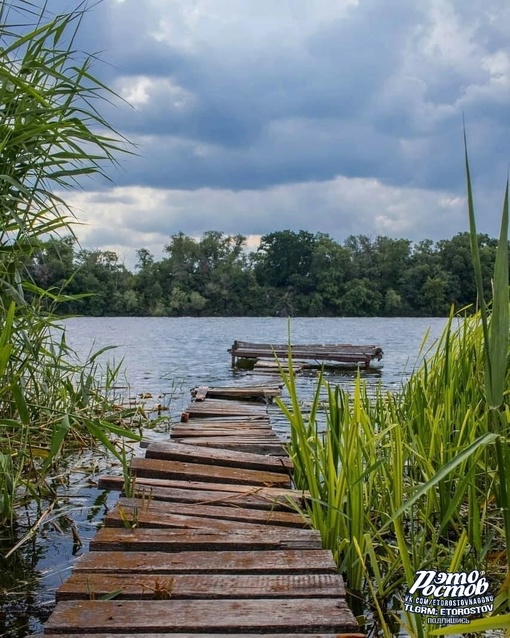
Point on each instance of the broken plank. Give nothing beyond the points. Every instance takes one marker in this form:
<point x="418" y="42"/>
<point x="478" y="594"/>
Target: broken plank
<point x="177" y="540"/>
<point x="203" y="511"/>
<point x="117" y="482"/>
<point x="206" y="497"/>
<point x="156" y="468"/>
<point x="285" y="561"/>
<point x="200" y="393"/>
<point x="82" y="586"/>
<point x="293" y="614"/>
<point x="224" y="458"/>
<point x="161" y="514"/>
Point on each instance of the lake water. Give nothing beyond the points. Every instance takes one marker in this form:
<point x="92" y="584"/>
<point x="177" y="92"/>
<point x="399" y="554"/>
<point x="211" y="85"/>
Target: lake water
<point x="172" y="355"/>
<point x="168" y="356"/>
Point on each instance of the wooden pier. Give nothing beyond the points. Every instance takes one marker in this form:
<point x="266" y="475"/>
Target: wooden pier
<point x="312" y="355"/>
<point x="208" y="542"/>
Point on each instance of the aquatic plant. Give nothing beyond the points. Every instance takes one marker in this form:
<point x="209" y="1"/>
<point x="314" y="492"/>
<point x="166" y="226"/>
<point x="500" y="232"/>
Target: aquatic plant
<point x="403" y="481"/>
<point x="51" y="135"/>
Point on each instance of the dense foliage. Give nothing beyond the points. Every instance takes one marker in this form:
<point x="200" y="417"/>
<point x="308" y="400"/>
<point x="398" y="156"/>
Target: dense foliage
<point x="291" y="273"/>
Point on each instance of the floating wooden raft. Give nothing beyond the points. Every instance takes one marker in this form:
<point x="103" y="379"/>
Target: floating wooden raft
<point x="319" y="353"/>
<point x="209" y="543"/>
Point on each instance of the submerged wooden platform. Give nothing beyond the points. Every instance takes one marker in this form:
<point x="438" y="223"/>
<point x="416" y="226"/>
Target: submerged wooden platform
<point x="314" y="354"/>
<point x="209" y="542"/>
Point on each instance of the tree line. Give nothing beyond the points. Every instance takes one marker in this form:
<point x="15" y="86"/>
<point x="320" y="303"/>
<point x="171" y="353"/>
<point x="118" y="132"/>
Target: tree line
<point x="290" y="273"/>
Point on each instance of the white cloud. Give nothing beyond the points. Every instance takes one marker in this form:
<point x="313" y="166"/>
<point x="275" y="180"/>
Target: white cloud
<point x="342" y="116"/>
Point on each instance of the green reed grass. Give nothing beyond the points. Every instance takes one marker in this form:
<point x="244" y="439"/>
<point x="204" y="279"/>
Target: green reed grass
<point x="51" y="136"/>
<point x="402" y="481"/>
<point x="418" y="478"/>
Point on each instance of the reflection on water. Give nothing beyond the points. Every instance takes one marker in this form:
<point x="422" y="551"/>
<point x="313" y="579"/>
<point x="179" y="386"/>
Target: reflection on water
<point x="166" y="357"/>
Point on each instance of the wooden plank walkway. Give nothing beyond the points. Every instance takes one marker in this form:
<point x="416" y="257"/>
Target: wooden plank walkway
<point x="208" y="543"/>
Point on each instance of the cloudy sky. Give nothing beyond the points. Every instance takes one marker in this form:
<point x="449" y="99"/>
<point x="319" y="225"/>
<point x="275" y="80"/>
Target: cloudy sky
<point x="340" y="116"/>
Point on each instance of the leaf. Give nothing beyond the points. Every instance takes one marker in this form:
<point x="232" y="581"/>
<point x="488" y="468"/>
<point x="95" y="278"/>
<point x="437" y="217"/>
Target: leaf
<point x="499" y="325"/>
<point x="481" y="442"/>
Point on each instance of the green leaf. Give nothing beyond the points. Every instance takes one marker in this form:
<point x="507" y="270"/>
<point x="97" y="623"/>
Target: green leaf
<point x="499" y="325"/>
<point x="483" y="441"/>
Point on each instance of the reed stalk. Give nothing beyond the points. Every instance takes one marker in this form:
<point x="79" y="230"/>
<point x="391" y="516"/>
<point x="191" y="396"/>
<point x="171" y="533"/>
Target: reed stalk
<point x="410" y="480"/>
<point x="51" y="136"/>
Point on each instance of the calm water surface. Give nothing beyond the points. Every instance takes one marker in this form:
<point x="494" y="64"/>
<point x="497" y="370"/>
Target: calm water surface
<point x="168" y="356"/>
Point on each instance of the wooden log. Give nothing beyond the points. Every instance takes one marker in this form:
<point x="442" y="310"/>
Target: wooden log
<point x="225" y="458"/>
<point x="286" y="561"/>
<point x="154" y="468"/>
<point x="82" y="586"/>
<point x="218" y="616"/>
<point x="160" y="509"/>
<point x="177" y="540"/>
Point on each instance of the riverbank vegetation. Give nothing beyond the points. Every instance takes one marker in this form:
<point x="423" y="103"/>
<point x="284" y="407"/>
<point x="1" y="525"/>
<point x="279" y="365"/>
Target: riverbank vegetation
<point x="291" y="273"/>
<point x="51" y="135"/>
<point x="419" y="479"/>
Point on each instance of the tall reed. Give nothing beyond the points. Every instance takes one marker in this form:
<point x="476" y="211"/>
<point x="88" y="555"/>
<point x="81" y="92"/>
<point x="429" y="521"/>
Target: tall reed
<point x="419" y="478"/>
<point x="51" y="136"/>
<point x="403" y="481"/>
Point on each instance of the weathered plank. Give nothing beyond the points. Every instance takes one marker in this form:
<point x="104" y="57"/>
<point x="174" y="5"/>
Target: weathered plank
<point x="233" y="420"/>
<point x="240" y="392"/>
<point x="293" y="614"/>
<point x="232" y="488"/>
<point x="200" y="393"/>
<point x="285" y="561"/>
<point x="204" y="497"/>
<point x="266" y="365"/>
<point x="82" y="586"/>
<point x="225" y="458"/>
<point x="178" y="540"/>
<point x="201" y="635"/>
<point x="264" y="434"/>
<point x="207" y="424"/>
<point x="261" y="427"/>
<point x="175" y="469"/>
<point x="159" y="514"/>
<point x="217" y="407"/>
<point x="256" y="446"/>
<point x="168" y="514"/>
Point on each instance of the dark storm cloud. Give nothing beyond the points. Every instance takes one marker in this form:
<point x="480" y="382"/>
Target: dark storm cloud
<point x="249" y="107"/>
